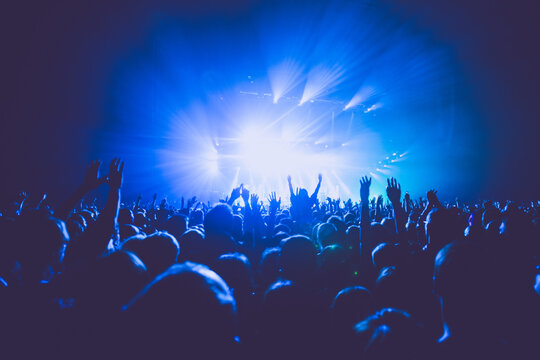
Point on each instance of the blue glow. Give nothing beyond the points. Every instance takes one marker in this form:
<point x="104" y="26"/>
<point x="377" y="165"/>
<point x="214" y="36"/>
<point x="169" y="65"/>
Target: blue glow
<point x="290" y="88"/>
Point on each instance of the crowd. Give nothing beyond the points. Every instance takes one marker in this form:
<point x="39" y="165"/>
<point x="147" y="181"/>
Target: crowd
<point x="249" y="279"/>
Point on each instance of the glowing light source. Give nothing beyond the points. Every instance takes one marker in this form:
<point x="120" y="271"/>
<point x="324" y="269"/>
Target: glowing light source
<point x="321" y="79"/>
<point x="373" y="107"/>
<point x="284" y="77"/>
<point x="360" y="97"/>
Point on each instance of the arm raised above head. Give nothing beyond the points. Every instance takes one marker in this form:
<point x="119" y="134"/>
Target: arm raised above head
<point x="316" y="192"/>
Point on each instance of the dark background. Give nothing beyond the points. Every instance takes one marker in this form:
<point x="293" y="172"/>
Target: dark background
<point x="57" y="58"/>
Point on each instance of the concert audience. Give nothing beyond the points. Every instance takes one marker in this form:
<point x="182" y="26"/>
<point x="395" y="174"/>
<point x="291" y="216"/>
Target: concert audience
<point x="409" y="279"/>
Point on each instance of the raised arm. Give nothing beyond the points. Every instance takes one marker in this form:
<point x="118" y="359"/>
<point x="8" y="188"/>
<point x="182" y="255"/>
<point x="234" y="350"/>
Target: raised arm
<point x="96" y="238"/>
<point x="235" y="194"/>
<point x="316" y="192"/>
<point x="91" y="181"/>
<point x="393" y="191"/>
<point x="289" y="181"/>
<point x="365" y="183"/>
<point x="362" y="247"/>
<point x="108" y="219"/>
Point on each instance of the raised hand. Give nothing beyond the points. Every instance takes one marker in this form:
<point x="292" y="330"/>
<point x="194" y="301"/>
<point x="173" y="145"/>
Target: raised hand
<point x="91" y="177"/>
<point x="235" y="194"/>
<point x="163" y="204"/>
<point x="365" y="183"/>
<point x="407" y="197"/>
<point x="245" y="195"/>
<point x="289" y="179"/>
<point x="191" y="202"/>
<point x="393" y="190"/>
<point x="432" y="198"/>
<point x="275" y="204"/>
<point x="22" y="196"/>
<point x="116" y="173"/>
<point x="320" y="177"/>
<point x="380" y="201"/>
<point x="254" y="202"/>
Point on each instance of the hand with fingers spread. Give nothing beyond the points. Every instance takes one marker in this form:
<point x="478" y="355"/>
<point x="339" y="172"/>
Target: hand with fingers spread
<point x="255" y="202"/>
<point x="235" y="194"/>
<point x="275" y="204"/>
<point x="393" y="190"/>
<point x="433" y="200"/>
<point x="116" y="173"/>
<point x="365" y="183"/>
<point x="91" y="177"/>
<point x="245" y="195"/>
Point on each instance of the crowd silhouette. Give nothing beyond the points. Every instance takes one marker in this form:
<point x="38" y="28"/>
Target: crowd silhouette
<point x="400" y="278"/>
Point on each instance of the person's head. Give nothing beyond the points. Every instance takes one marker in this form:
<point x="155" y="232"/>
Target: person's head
<point x="349" y="218"/>
<point x="338" y="223"/>
<point x="196" y="217"/>
<point x="235" y="269"/>
<point x="288" y="222"/>
<point x="351" y="305"/>
<point x="385" y="255"/>
<point x="176" y="225"/>
<point x="442" y="228"/>
<point x="162" y="215"/>
<point x="460" y="280"/>
<point x="352" y="235"/>
<point x="111" y="282"/>
<point x="298" y="259"/>
<point x="335" y="266"/>
<point x="191" y="243"/>
<point x="269" y="266"/>
<point x="158" y="251"/>
<point x="41" y="244"/>
<point x="389" y="225"/>
<point x="327" y="234"/>
<point x="188" y="310"/>
<point x="303" y="194"/>
<point x="282" y="228"/>
<point x="392" y="288"/>
<point x="391" y="334"/>
<point x="219" y="220"/>
<point x="290" y="318"/>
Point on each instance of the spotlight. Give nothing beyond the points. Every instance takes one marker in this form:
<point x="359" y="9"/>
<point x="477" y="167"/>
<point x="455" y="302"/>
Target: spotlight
<point x="361" y="96"/>
<point x="373" y="107"/>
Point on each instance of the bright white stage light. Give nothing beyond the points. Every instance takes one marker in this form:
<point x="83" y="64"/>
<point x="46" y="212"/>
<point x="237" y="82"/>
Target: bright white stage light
<point x="321" y="79"/>
<point x="284" y="77"/>
<point x="360" y="97"/>
<point x="373" y="107"/>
